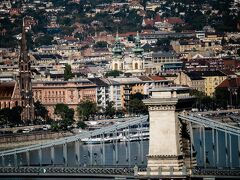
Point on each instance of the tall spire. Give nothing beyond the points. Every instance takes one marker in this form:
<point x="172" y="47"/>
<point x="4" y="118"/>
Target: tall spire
<point x="117" y="49"/>
<point x="25" y="76"/>
<point x="24" y="56"/>
<point x="138" y="50"/>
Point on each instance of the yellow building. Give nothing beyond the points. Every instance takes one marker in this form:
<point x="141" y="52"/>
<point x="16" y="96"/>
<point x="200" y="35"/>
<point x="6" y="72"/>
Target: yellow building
<point x="192" y="80"/>
<point x="207" y="44"/>
<point x="204" y="81"/>
<point x="212" y="80"/>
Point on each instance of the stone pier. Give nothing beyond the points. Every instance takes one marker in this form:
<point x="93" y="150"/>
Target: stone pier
<point x="166" y="149"/>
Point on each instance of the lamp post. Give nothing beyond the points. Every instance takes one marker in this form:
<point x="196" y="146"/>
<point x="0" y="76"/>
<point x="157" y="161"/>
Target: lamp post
<point x="236" y="96"/>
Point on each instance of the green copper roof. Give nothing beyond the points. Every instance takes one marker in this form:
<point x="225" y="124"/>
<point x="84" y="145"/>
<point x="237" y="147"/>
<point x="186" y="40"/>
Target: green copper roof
<point x="117" y="49"/>
<point x="137" y="49"/>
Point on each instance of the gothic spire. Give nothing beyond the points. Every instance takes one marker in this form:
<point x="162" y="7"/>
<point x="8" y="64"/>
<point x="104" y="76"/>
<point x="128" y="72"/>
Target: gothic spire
<point x="25" y="84"/>
<point x="23" y="44"/>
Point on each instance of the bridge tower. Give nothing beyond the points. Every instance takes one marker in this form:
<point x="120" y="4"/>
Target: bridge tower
<point x="169" y="143"/>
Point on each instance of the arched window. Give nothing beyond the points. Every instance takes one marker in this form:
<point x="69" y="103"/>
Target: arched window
<point x="136" y="65"/>
<point x="115" y="66"/>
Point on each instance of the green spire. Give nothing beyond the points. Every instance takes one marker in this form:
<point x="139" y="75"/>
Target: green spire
<point x="117" y="49"/>
<point x="138" y="50"/>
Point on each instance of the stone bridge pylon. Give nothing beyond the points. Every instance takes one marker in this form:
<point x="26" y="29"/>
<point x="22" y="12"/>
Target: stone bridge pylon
<point x="169" y="144"/>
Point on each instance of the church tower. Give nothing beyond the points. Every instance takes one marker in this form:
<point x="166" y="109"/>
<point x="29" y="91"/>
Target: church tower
<point x="118" y="54"/>
<point x="138" y="59"/>
<point x="25" y="84"/>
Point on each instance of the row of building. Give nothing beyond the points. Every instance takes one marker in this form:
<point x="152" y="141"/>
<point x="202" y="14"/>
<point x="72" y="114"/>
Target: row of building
<point x="71" y="93"/>
<point x="102" y="90"/>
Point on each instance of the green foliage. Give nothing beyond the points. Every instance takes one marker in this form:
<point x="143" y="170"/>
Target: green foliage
<point x="100" y="44"/>
<point x="68" y="72"/>
<point x="43" y="40"/>
<point x="110" y="110"/>
<point x="63" y="111"/>
<point x="163" y="44"/>
<point x="136" y="104"/>
<point x="11" y="117"/>
<point x="8" y="42"/>
<point x="120" y="113"/>
<point x="55" y="126"/>
<point x="66" y="114"/>
<point x="40" y="110"/>
<point x="64" y="21"/>
<point x="222" y="97"/>
<point x="113" y="73"/>
<point x="41" y="17"/>
<point x="81" y="124"/>
<point x="137" y="95"/>
<point x="86" y="109"/>
<point x="67" y="30"/>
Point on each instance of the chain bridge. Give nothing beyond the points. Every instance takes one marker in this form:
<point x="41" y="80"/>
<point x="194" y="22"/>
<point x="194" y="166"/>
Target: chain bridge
<point x="206" y="146"/>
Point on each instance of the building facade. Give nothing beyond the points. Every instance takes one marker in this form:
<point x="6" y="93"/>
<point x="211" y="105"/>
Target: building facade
<point x="71" y="93"/>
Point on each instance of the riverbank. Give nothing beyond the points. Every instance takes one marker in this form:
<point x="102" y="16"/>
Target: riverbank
<point x="20" y="140"/>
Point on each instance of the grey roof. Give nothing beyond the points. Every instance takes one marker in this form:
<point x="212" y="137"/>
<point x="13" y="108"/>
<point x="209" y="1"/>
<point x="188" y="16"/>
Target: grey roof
<point x="165" y="89"/>
<point x="98" y="82"/>
<point x="194" y="76"/>
<point x="163" y="54"/>
<point x="207" y="73"/>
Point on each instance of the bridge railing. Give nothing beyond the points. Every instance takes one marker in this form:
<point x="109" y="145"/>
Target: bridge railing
<point x="211" y="123"/>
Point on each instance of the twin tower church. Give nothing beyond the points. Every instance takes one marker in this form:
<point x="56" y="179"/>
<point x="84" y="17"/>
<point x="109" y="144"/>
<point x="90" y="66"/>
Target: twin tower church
<point x="128" y="61"/>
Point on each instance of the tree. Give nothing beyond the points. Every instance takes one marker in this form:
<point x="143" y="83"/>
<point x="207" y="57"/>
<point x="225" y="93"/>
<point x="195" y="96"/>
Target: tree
<point x="86" y="109"/>
<point x="137" y="95"/>
<point x="238" y="52"/>
<point x="15" y="117"/>
<point x="11" y="117"/>
<point x="65" y="113"/>
<point x="68" y="72"/>
<point x="67" y="121"/>
<point x="100" y="44"/>
<point x="136" y="104"/>
<point x="40" y="110"/>
<point x="110" y="110"/>
<point x="113" y="73"/>
<point x="222" y="97"/>
<point x="163" y="44"/>
<point x="81" y="124"/>
<point x="43" y="40"/>
<point x="203" y="101"/>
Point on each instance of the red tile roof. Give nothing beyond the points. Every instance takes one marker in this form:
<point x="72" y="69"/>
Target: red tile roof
<point x="175" y="20"/>
<point x="230" y="83"/>
<point x="149" y="22"/>
<point x="157" y="78"/>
